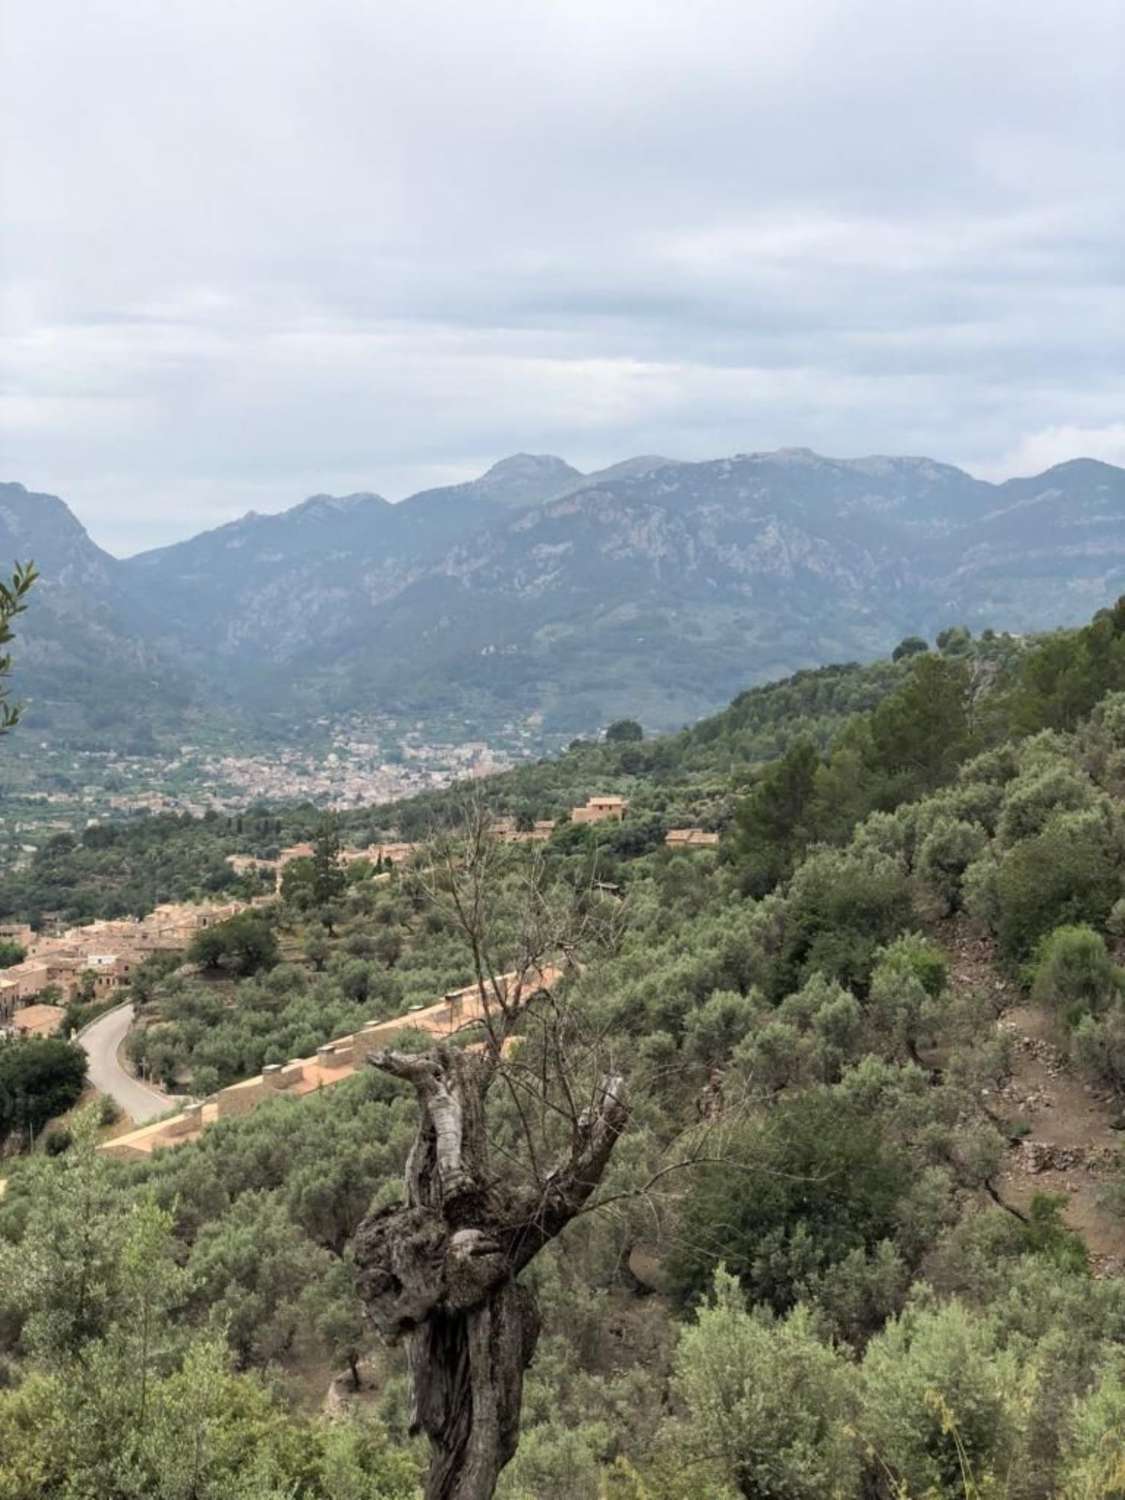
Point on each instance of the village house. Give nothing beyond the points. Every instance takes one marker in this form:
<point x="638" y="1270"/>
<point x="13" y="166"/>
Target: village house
<point x="9" y="998"/>
<point x="110" y="971"/>
<point x="690" y="838"/>
<point x="600" y="810"/>
<point x="30" y="978"/>
<point x="37" y="1020"/>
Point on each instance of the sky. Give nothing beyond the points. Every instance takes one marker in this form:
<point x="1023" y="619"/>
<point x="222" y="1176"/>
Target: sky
<point x="255" y="251"/>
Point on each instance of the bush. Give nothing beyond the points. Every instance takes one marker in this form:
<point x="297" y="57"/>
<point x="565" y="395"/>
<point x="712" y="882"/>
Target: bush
<point x="815" y="1180"/>
<point x="947" y="851"/>
<point x="1093" y="1462"/>
<point x="715" y="1029"/>
<point x="245" y="943"/>
<point x="1074" y="974"/>
<point x="841" y="909"/>
<point x="1068" y="873"/>
<point x="39" y="1078"/>
<point x="942" y="1400"/>
<point x="1033" y="799"/>
<point x="913" y="645"/>
<point x="767" y="1402"/>
<point x="816" y="1033"/>
<point x="56" y="1141"/>
<point x="906" y="986"/>
<point x="1098" y="1046"/>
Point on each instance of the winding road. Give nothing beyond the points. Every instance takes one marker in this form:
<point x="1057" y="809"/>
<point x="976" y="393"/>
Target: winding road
<point x="100" y="1042"/>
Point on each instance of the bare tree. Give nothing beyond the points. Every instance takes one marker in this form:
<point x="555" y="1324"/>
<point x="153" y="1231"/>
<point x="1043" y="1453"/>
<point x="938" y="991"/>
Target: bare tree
<point x="513" y="1138"/>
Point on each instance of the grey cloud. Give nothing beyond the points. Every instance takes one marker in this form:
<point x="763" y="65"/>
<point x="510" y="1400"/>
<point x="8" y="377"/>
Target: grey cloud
<point x="254" y="251"/>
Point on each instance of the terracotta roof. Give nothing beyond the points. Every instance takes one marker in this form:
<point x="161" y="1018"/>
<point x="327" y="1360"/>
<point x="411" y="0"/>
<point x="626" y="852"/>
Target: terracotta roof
<point x="43" y="1020"/>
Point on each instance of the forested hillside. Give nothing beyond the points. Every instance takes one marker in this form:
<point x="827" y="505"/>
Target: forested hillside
<point x="863" y="1233"/>
<point x="671" y="780"/>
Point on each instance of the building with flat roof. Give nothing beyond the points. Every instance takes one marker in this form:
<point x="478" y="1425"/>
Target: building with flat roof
<point x="601" y="809"/>
<point x="37" y="1020"/>
<point x="690" y="838"/>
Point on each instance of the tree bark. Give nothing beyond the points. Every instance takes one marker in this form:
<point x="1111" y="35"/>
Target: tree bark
<point x="441" y="1270"/>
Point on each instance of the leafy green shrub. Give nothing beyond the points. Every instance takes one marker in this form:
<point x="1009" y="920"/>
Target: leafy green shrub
<point x="1098" y="1046"/>
<point x="1068" y="873"/>
<point x="889" y="834"/>
<point x="767" y="1402"/>
<point x="995" y="767"/>
<point x="11" y="953"/>
<point x="40" y="1077"/>
<point x="1046" y="1233"/>
<point x="912" y="645"/>
<point x="245" y="943"/>
<point x="1074" y="974"/>
<point x="1034" y="798"/>
<point x="1094" y="1457"/>
<point x="948" y="849"/>
<point x="906" y="987"/>
<point x="716" y="1028"/>
<point x="813" y="1036"/>
<point x="803" y="1188"/>
<point x="842" y="906"/>
<point x="941" y="1403"/>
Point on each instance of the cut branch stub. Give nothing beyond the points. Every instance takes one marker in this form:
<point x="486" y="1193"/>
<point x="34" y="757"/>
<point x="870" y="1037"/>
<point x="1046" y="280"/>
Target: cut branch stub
<point x="400" y="1258"/>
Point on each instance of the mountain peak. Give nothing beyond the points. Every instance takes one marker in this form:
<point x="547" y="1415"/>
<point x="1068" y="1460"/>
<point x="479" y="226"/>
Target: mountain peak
<point x="336" y="504"/>
<point x="525" y="479"/>
<point x="528" y="465"/>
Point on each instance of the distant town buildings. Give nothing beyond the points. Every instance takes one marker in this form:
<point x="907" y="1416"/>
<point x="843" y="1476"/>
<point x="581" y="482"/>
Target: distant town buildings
<point x="375" y="854"/>
<point x="96" y="959"/>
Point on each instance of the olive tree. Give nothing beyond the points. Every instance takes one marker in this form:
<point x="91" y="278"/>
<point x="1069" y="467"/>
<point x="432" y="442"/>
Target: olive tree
<point x="512" y="1140"/>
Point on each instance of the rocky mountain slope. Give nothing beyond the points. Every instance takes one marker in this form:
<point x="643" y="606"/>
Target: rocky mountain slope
<point x="653" y="588"/>
<point x="86" y="649"/>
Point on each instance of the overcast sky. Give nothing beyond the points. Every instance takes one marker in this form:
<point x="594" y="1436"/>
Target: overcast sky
<point x="255" y="250"/>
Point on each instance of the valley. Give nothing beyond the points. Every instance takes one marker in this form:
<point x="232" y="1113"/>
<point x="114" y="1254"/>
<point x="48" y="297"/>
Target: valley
<point x="536" y="604"/>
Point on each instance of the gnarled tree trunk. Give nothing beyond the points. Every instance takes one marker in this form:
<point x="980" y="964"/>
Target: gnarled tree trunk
<point x="442" y="1270"/>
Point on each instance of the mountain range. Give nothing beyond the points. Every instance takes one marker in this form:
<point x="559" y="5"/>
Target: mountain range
<point x="655" y="589"/>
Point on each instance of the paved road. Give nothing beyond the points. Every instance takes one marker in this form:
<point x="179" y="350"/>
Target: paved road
<point x="100" y="1041"/>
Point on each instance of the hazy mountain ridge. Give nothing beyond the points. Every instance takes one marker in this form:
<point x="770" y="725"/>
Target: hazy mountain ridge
<point x="653" y="587"/>
<point x="87" y="648"/>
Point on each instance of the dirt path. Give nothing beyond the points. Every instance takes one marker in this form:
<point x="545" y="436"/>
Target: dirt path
<point x="1070" y="1147"/>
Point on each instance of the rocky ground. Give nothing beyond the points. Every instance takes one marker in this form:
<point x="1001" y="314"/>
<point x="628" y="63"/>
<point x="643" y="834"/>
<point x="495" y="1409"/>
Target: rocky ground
<point x="1071" y="1146"/>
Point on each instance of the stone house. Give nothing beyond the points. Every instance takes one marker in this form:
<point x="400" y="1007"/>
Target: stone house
<point x="602" y="809"/>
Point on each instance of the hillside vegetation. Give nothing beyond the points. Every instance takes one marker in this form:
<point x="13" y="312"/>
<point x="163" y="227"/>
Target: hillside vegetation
<point x="815" y="1266"/>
